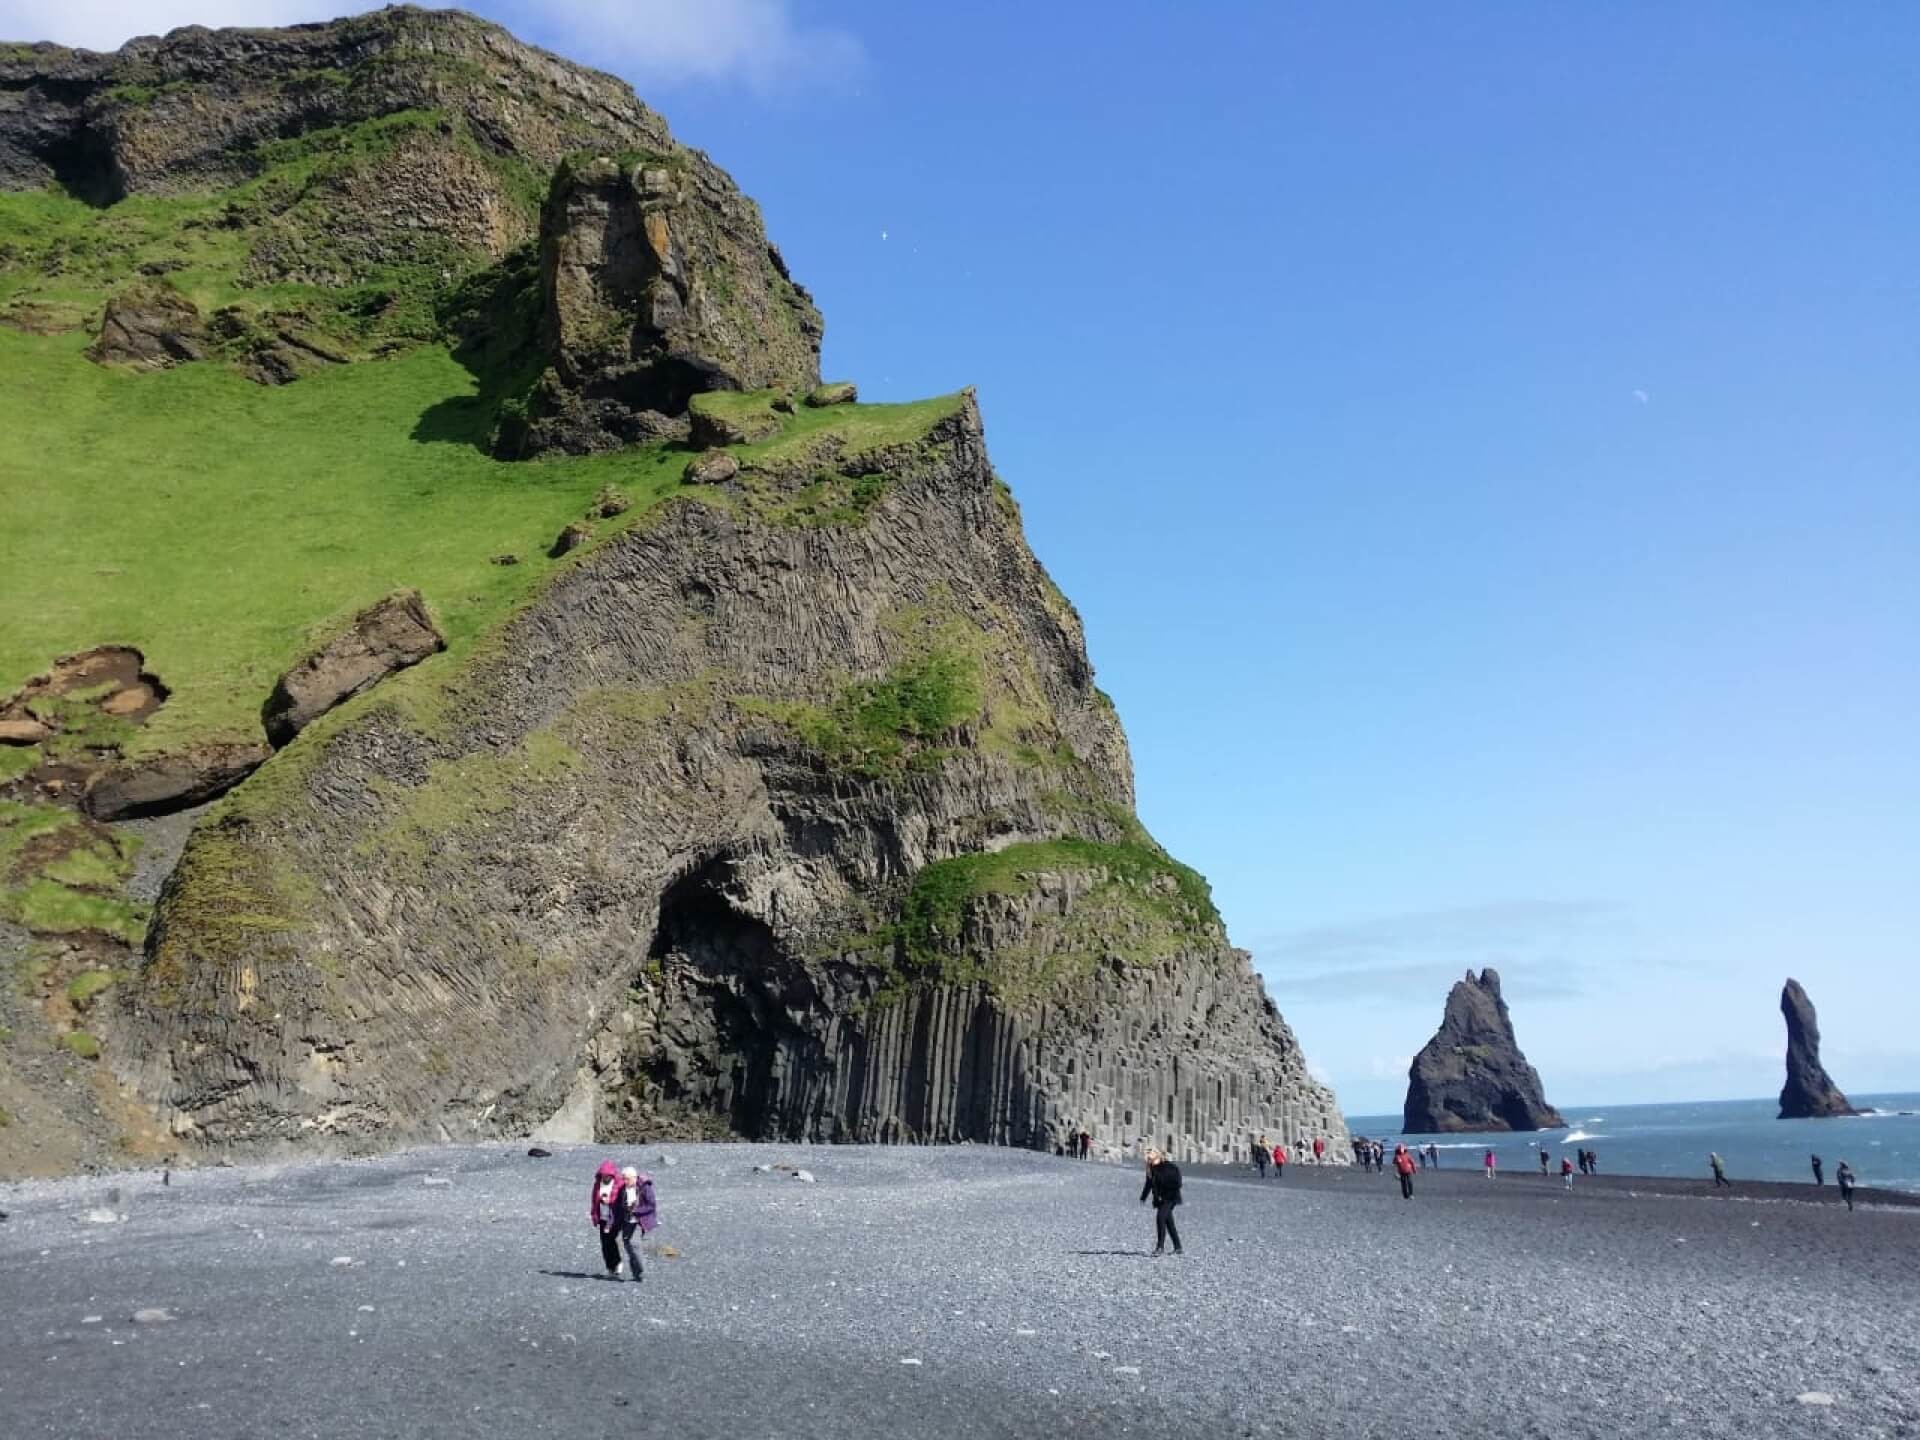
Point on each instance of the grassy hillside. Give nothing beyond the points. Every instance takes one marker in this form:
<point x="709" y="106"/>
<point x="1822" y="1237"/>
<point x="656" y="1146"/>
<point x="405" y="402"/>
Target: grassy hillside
<point x="219" y="525"/>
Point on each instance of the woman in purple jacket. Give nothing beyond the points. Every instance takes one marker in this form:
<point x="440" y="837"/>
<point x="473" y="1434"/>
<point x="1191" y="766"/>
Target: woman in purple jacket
<point x="636" y="1208"/>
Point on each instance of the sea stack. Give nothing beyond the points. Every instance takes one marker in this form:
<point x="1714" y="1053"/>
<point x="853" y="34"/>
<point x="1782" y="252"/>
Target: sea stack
<point x="1809" y="1093"/>
<point x="1471" y="1075"/>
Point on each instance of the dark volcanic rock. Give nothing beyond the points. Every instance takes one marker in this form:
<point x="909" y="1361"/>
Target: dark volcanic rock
<point x="176" y="781"/>
<point x="643" y="900"/>
<point x="1809" y="1092"/>
<point x="658" y="284"/>
<point x="382" y="639"/>
<point x="151" y="326"/>
<point x="1471" y="1075"/>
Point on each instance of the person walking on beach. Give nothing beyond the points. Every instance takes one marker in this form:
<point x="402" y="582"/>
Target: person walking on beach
<point x="1566" y="1171"/>
<point x="1433" y="1152"/>
<point x="636" y="1208"/>
<point x="1489" y="1162"/>
<point x="1843" y="1177"/>
<point x="603" y="1211"/>
<point x="1544" y="1159"/>
<point x="1280" y="1162"/>
<point x="1593" y="1162"/>
<point x="1260" y="1153"/>
<point x="1319" y="1151"/>
<point x="1818" y="1178"/>
<point x="1719" y="1170"/>
<point x="1403" y="1167"/>
<point x="1163" y="1186"/>
<point x="1086" y="1144"/>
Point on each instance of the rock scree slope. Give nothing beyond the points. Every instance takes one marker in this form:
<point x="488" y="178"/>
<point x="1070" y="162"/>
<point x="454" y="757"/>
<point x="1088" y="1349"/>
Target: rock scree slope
<point x="779" y="802"/>
<point x="1809" y="1092"/>
<point x="1471" y="1075"/>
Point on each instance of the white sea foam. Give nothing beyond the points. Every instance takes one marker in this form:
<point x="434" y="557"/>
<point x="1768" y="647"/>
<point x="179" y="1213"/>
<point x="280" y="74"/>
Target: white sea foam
<point x="1574" y="1135"/>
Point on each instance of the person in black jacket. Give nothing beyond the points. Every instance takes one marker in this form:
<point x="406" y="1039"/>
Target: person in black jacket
<point x="1163" y="1184"/>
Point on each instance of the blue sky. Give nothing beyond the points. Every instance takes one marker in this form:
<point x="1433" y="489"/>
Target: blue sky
<point x="1482" y="440"/>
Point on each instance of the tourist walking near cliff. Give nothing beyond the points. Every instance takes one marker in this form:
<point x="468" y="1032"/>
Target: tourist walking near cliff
<point x="1566" y="1171"/>
<point x="1433" y="1154"/>
<point x="636" y="1208"/>
<point x="1844" y="1178"/>
<point x="1319" y="1149"/>
<point x="1280" y="1162"/>
<point x="1488" y="1161"/>
<point x="1261" y="1152"/>
<point x="1818" y="1177"/>
<point x="1163" y="1188"/>
<point x="1403" y="1167"/>
<point x="1545" y="1158"/>
<point x="603" y="1211"/>
<point x="1719" y="1170"/>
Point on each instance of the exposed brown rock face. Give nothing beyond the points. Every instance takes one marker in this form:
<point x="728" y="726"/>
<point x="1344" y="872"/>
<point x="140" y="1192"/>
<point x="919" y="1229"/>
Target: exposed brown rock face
<point x="382" y="639"/>
<point x="152" y="327"/>
<point x="189" y="111"/>
<point x="658" y="284"/>
<point x="1471" y="1075"/>
<point x="617" y="876"/>
<point x="1809" y="1092"/>
<point x="178" y="780"/>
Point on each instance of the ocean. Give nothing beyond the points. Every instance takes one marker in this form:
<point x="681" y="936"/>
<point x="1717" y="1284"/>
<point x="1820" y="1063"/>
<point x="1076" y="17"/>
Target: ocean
<point x="1883" y="1148"/>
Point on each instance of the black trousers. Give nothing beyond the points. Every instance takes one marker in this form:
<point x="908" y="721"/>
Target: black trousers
<point x="1406" y="1186"/>
<point x="610" y="1249"/>
<point x="1164" y="1229"/>
<point x="1719" y="1180"/>
<point x="1846" y="1194"/>
<point x="1260" y="1165"/>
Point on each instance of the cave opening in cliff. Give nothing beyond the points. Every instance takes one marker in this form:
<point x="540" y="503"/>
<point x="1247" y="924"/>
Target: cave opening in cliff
<point x="721" y="969"/>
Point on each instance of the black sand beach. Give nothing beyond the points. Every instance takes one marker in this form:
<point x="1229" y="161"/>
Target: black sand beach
<point x="949" y="1292"/>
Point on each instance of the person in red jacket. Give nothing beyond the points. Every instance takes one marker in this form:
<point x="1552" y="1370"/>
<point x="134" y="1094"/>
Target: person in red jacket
<point x="1280" y="1162"/>
<point x="1403" y="1167"/>
<point x="1566" y="1171"/>
<point x="1319" y="1149"/>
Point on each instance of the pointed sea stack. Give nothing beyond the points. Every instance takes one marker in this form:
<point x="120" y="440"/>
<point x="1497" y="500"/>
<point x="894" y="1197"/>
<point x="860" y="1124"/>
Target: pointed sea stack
<point x="1809" y="1093"/>
<point x="1472" y="1076"/>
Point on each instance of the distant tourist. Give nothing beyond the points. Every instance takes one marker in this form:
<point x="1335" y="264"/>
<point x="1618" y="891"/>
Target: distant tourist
<point x="1319" y="1152"/>
<point x="1403" y="1166"/>
<point x="1818" y="1177"/>
<point x="1719" y="1170"/>
<point x="1433" y="1154"/>
<point x="1844" y="1178"/>
<point x="1545" y="1158"/>
<point x="1260" y="1154"/>
<point x="1593" y="1162"/>
<point x="1086" y="1144"/>
<point x="1163" y="1187"/>
<point x="1566" y="1171"/>
<point x="1489" y="1161"/>
<point x="1279" y="1162"/>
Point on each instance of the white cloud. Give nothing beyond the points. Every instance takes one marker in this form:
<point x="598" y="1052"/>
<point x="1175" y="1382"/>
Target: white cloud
<point x="759" y="44"/>
<point x="108" y="24"/>
<point x="1641" y="396"/>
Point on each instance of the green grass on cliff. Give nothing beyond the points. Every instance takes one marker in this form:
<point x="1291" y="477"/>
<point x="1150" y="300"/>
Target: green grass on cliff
<point x="220" y="525"/>
<point x="1144" y="907"/>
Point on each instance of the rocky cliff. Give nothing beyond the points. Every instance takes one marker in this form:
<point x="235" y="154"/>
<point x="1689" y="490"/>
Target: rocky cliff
<point x="1809" y="1092"/>
<point x="1471" y="1075"/>
<point x="781" y="803"/>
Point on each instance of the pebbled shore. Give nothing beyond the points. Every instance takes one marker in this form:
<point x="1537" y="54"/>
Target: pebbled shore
<point x="1319" y="1305"/>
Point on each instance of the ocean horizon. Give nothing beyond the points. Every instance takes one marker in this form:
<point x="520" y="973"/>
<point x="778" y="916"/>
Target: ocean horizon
<point x="1673" y="1140"/>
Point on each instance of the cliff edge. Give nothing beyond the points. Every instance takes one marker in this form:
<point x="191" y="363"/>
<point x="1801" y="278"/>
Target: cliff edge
<point x="772" y="796"/>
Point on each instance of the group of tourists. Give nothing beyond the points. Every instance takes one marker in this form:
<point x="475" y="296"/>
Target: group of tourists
<point x="621" y="1203"/>
<point x="1843" y="1177"/>
<point x="1077" y="1146"/>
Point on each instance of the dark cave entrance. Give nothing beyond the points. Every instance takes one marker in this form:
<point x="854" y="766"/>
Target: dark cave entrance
<point x="725" y="972"/>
